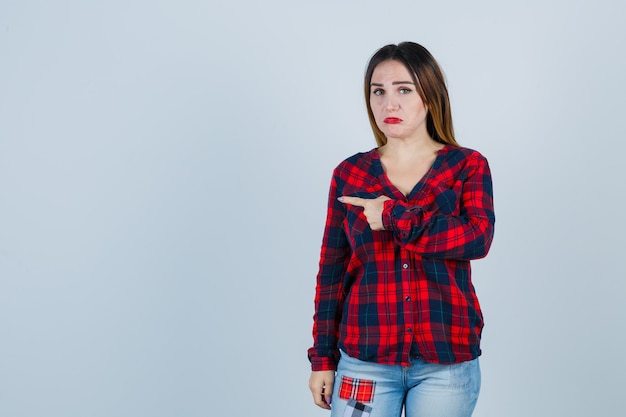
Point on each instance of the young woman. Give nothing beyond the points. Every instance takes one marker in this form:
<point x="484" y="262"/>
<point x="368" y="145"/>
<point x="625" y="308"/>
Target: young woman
<point x="397" y="323"/>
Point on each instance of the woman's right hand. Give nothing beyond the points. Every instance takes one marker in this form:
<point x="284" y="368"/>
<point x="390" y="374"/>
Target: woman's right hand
<point x="321" y="385"/>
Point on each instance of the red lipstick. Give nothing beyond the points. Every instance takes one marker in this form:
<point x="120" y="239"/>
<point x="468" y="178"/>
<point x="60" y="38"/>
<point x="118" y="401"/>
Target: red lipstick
<point x="392" y="120"/>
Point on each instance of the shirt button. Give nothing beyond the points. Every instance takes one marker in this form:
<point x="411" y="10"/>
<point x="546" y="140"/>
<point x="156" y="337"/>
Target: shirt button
<point x="408" y="298"/>
<point x="405" y="266"/>
<point x="410" y="330"/>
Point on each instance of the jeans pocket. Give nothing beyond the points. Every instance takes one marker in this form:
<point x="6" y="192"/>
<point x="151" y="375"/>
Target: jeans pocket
<point x="361" y="390"/>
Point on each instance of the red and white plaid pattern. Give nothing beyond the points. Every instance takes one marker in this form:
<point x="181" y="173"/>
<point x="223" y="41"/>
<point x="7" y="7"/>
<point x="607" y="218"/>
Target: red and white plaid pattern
<point x="361" y="390"/>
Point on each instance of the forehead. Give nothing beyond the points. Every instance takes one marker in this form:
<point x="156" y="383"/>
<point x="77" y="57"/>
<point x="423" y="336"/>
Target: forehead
<point x="391" y="71"/>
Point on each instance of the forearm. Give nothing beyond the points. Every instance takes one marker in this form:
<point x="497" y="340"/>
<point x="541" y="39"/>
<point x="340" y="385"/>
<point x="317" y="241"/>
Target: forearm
<point x="441" y="236"/>
<point x="328" y="304"/>
<point x="454" y="223"/>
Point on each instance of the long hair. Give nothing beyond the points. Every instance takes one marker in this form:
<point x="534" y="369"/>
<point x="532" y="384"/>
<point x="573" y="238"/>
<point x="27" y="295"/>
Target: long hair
<point x="431" y="86"/>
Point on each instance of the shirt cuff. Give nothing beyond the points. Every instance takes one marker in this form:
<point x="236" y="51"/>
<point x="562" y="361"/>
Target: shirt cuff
<point x="323" y="364"/>
<point x="398" y="216"/>
<point x="387" y="216"/>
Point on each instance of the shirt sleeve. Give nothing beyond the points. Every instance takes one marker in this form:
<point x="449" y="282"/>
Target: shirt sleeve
<point x="432" y="233"/>
<point x="334" y="258"/>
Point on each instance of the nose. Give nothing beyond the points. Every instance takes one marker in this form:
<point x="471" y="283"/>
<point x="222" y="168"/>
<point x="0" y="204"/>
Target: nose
<point x="392" y="104"/>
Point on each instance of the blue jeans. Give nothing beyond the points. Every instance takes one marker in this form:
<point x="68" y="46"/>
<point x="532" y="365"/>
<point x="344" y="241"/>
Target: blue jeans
<point x="365" y="389"/>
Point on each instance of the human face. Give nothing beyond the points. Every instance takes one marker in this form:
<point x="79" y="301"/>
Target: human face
<point x="398" y="109"/>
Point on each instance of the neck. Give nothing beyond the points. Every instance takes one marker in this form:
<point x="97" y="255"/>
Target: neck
<point x="410" y="147"/>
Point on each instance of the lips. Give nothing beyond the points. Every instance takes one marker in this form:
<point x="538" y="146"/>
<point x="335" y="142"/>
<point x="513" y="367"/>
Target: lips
<point x="392" y="120"/>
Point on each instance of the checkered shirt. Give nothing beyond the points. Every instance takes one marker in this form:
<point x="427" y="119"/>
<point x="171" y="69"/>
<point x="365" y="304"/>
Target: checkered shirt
<point x="382" y="296"/>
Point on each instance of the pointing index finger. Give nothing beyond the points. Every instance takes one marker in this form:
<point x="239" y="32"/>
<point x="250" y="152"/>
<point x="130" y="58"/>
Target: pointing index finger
<point x="355" y="201"/>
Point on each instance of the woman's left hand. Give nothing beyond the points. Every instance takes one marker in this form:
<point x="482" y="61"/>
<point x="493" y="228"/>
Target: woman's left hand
<point x="372" y="208"/>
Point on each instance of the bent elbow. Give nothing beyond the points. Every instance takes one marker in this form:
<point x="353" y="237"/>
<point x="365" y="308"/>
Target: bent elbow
<point x="482" y="243"/>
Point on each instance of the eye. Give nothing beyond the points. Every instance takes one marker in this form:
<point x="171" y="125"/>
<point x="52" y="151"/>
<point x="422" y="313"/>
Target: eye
<point x="405" y="90"/>
<point x="378" y="92"/>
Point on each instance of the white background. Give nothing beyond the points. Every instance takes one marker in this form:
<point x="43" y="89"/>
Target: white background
<point x="164" y="168"/>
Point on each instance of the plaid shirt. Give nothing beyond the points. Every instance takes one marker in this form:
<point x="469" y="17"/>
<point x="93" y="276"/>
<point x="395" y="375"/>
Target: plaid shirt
<point x="384" y="296"/>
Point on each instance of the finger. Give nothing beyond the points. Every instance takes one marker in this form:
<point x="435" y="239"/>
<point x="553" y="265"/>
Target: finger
<point x="328" y="392"/>
<point x="317" y="394"/>
<point x="317" y="389"/>
<point x="321" y="400"/>
<point x="355" y="201"/>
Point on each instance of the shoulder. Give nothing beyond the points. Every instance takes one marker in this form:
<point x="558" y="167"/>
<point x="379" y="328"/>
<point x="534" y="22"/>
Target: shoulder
<point x="358" y="161"/>
<point x="359" y="157"/>
<point x="461" y="155"/>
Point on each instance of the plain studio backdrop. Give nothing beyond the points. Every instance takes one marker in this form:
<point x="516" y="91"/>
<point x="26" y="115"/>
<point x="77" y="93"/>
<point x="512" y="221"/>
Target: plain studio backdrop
<point x="164" y="168"/>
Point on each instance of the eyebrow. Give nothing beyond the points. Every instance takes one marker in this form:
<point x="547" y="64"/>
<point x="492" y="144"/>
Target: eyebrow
<point x="393" y="83"/>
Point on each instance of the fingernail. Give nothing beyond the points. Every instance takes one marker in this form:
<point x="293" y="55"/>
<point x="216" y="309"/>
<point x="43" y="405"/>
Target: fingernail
<point x="340" y="199"/>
